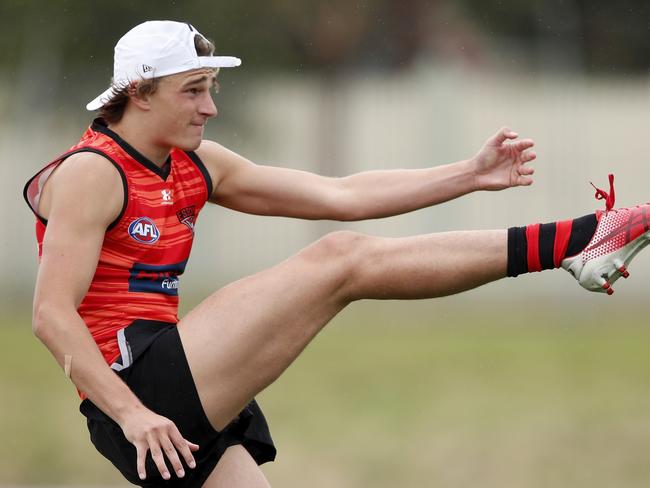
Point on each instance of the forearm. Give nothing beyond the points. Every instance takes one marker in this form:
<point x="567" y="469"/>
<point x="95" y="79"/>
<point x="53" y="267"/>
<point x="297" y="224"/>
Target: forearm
<point x="65" y="334"/>
<point x="376" y="194"/>
<point x="266" y="190"/>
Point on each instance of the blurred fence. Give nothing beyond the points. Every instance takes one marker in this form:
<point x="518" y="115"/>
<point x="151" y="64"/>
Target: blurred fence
<point x="583" y="127"/>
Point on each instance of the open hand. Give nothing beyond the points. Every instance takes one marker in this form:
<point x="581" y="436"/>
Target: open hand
<point x="148" y="431"/>
<point x="502" y="164"/>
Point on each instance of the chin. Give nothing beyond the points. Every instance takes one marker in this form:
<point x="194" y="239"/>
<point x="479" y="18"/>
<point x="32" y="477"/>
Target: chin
<point x="189" y="144"/>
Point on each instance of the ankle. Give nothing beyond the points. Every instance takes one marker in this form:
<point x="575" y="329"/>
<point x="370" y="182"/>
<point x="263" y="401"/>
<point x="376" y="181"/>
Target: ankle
<point x="538" y="247"/>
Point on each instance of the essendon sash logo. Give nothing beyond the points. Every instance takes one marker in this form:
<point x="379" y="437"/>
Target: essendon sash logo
<point x="187" y="216"/>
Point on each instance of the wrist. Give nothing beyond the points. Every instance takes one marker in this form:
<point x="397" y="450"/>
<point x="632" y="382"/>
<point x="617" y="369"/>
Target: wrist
<point x="121" y="411"/>
<point x="468" y="167"/>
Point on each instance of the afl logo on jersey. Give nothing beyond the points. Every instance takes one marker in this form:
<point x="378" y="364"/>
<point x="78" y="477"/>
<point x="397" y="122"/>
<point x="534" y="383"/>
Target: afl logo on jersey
<point x="144" y="230"/>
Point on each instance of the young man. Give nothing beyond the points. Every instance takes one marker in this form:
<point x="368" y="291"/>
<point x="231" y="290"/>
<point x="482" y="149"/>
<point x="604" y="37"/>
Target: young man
<point x="173" y="400"/>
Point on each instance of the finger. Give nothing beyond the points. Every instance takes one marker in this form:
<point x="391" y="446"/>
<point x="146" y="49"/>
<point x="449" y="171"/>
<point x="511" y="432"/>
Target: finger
<point x="528" y="156"/>
<point x="158" y="458"/>
<point x="141" y="456"/>
<point x="524" y="181"/>
<point x="523" y="144"/>
<point x="185" y="447"/>
<point x="503" y="134"/>
<point x="172" y="455"/>
<point x="525" y="171"/>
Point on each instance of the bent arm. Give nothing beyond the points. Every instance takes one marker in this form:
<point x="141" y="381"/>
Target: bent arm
<point x="80" y="200"/>
<point x="264" y="190"/>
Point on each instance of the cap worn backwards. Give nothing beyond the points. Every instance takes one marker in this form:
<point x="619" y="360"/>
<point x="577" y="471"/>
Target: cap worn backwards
<point x="157" y="48"/>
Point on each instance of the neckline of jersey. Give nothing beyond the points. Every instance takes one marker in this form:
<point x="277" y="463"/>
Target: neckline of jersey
<point x="99" y="125"/>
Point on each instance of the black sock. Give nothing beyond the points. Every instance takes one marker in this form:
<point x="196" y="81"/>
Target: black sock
<point x="543" y="246"/>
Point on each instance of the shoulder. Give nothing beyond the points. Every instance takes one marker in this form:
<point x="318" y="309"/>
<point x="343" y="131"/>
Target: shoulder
<point x="87" y="182"/>
<point x="87" y="168"/>
<point x="212" y="152"/>
<point x="220" y="161"/>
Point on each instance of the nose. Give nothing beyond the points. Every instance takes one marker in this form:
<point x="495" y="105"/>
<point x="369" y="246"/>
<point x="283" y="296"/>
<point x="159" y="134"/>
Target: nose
<point x="207" y="107"/>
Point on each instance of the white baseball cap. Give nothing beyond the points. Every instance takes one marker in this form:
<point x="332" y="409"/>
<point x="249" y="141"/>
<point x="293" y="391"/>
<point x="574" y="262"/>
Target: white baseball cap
<point x="157" y="48"/>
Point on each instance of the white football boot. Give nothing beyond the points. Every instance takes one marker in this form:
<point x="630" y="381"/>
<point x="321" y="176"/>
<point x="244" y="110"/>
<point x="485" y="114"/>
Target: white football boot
<point x="620" y="234"/>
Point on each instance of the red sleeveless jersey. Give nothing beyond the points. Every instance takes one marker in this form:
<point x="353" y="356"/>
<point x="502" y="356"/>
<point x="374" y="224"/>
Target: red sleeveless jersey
<point x="146" y="248"/>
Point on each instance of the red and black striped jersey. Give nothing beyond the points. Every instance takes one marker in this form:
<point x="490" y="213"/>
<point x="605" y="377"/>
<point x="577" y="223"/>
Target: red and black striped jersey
<point x="146" y="248"/>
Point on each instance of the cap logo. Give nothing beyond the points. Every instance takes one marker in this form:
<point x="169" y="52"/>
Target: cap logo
<point x="146" y="68"/>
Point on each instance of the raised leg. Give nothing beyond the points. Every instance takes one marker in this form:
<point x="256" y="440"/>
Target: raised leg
<point x="242" y="337"/>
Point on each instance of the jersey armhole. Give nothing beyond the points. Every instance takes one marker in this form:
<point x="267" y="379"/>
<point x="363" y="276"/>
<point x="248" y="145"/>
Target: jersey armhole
<point x="204" y="171"/>
<point x="56" y="163"/>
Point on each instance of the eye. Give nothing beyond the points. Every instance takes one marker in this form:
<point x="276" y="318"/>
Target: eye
<point x="194" y="91"/>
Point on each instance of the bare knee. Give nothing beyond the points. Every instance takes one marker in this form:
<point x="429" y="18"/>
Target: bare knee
<point x="341" y="246"/>
<point x="341" y="252"/>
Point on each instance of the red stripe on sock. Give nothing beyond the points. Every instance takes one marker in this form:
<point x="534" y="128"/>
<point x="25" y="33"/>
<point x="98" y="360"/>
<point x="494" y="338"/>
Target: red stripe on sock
<point x="532" y="238"/>
<point x="562" y="236"/>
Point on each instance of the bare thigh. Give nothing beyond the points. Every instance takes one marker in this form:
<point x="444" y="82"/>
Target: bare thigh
<point x="237" y="469"/>
<point x="241" y="338"/>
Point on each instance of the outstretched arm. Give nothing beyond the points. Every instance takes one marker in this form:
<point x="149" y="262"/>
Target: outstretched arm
<point x="265" y="190"/>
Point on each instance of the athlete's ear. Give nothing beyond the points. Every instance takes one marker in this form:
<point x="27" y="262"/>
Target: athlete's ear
<point x="139" y="97"/>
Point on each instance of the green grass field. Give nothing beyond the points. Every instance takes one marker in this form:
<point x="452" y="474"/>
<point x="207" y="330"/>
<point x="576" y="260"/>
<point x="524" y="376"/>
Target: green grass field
<point x="399" y="394"/>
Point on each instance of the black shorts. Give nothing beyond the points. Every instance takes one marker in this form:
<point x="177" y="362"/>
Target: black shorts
<point x="160" y="377"/>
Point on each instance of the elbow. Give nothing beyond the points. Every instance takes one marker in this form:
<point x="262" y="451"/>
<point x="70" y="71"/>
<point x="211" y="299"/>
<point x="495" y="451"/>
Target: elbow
<point x="43" y="319"/>
<point x="39" y="319"/>
<point x="348" y="215"/>
<point x="350" y="211"/>
<point x="345" y="213"/>
<point x="345" y="207"/>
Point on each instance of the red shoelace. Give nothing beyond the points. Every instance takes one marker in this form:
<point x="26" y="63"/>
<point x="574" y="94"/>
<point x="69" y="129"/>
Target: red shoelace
<point x="610" y="197"/>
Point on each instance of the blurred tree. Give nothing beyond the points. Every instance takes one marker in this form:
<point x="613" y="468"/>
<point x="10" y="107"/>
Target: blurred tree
<point x="597" y="35"/>
<point x="327" y="35"/>
<point x="616" y="35"/>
